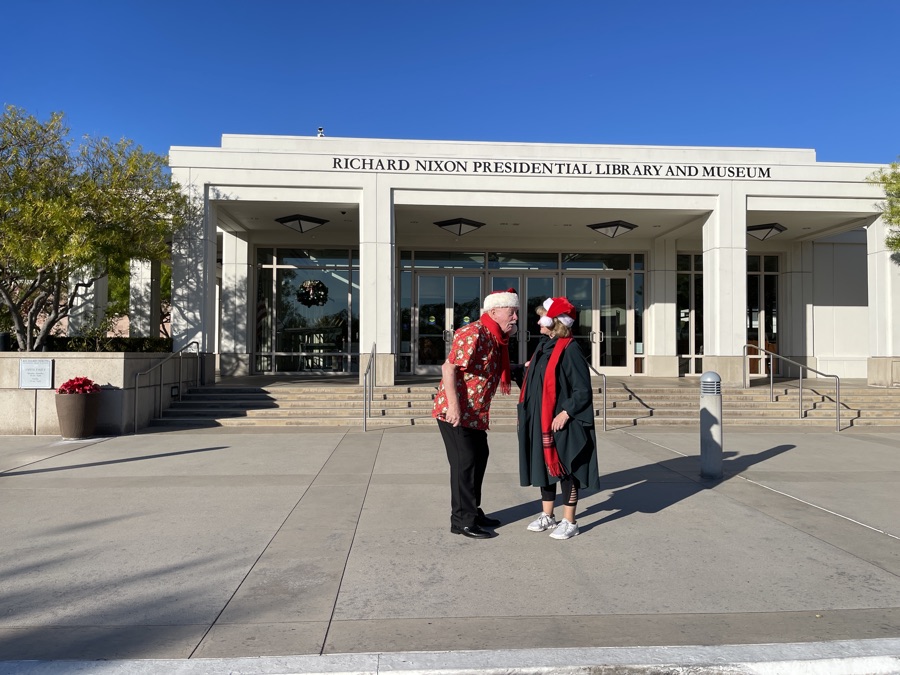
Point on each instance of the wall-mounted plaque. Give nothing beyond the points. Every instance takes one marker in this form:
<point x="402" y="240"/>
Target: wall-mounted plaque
<point x="35" y="373"/>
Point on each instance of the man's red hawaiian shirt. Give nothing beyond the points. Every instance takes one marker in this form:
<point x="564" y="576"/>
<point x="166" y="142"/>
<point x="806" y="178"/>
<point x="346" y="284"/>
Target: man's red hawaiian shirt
<point x="477" y="355"/>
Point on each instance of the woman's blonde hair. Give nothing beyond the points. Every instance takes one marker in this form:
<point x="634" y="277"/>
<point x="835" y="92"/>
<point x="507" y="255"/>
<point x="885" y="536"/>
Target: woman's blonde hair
<point x="558" y="329"/>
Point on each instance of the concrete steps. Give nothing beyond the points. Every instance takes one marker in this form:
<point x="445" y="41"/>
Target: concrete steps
<point x="628" y="404"/>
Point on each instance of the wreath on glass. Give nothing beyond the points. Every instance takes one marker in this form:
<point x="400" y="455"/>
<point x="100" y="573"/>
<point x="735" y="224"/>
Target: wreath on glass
<point x="312" y="292"/>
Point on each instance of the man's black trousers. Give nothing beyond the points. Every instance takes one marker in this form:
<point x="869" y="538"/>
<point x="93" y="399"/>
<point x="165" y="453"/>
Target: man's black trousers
<point x="467" y="453"/>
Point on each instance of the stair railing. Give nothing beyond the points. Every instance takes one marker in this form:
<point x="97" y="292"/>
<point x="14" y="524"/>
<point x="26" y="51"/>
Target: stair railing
<point x="368" y="388"/>
<point x="597" y="372"/>
<point x="180" y="355"/>
<point x="800" y="366"/>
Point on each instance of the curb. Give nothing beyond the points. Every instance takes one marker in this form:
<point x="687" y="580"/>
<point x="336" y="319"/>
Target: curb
<point x="850" y="657"/>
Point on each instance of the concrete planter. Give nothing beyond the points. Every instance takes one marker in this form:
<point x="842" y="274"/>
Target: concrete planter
<point x="77" y="414"/>
<point x="28" y="411"/>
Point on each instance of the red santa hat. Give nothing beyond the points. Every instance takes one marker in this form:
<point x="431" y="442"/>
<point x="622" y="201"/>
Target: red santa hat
<point x="507" y="298"/>
<point x="560" y="309"/>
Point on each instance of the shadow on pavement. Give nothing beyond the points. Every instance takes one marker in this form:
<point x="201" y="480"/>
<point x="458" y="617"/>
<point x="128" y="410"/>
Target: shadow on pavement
<point x="9" y="474"/>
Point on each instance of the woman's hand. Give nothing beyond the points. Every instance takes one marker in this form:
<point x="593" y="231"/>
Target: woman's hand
<point x="559" y="421"/>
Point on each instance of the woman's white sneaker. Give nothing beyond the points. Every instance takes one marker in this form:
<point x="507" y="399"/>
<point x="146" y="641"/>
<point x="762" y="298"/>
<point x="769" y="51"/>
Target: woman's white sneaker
<point x="565" y="530"/>
<point x="543" y="522"/>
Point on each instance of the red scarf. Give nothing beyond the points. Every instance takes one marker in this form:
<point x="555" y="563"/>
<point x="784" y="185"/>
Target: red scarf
<point x="503" y="339"/>
<point x="548" y="410"/>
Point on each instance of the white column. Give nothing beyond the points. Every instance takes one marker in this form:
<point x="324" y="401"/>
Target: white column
<point x="796" y="305"/>
<point x="144" y="299"/>
<point x="725" y="285"/>
<point x="194" y="282"/>
<point x="884" y="305"/>
<point x="660" y="308"/>
<point x="376" y="275"/>
<point x="234" y="325"/>
<point x="89" y="306"/>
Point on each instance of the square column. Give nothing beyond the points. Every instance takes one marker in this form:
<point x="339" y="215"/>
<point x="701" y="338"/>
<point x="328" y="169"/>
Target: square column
<point x="234" y="323"/>
<point x="660" y="307"/>
<point x="89" y="306"/>
<point x="144" y="299"/>
<point x="725" y="287"/>
<point x="883" y="365"/>
<point x="194" y="282"/>
<point x="376" y="282"/>
<point x="797" y="305"/>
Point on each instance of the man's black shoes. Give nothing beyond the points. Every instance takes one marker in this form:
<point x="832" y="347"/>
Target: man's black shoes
<point x="484" y="521"/>
<point x="473" y="532"/>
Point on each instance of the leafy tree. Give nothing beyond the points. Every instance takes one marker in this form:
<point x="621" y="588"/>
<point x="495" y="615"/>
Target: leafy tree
<point x="165" y="298"/>
<point x="70" y="214"/>
<point x="119" y="293"/>
<point x="890" y="208"/>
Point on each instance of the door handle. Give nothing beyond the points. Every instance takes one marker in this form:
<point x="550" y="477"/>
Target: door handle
<point x="448" y="336"/>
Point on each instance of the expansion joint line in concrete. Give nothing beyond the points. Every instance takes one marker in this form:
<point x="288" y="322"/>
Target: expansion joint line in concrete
<point x="783" y="494"/>
<point x="261" y="554"/>
<point x="81" y="445"/>
<point x="821" y="508"/>
<point x="350" y="547"/>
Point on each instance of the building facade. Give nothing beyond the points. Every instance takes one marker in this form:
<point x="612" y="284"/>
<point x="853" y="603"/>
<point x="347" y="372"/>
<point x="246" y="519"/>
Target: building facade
<point x="314" y="254"/>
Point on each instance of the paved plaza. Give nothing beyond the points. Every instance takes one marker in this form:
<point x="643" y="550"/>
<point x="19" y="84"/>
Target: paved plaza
<point x="329" y="550"/>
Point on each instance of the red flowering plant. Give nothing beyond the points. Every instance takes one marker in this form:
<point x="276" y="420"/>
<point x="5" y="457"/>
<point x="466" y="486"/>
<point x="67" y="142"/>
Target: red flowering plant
<point x="78" y="385"/>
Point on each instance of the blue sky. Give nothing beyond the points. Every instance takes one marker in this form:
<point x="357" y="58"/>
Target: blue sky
<point x="819" y="74"/>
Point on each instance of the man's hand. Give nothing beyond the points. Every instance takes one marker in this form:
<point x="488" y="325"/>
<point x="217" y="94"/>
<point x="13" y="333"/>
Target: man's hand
<point x="449" y="375"/>
<point x="453" y="417"/>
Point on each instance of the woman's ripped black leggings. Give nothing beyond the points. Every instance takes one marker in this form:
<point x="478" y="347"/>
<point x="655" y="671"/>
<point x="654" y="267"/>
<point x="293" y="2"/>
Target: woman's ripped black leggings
<point x="567" y="487"/>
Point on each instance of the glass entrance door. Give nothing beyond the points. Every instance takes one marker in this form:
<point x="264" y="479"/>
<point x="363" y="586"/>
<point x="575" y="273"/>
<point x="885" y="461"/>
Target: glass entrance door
<point x="537" y="289"/>
<point x="532" y="289"/>
<point x="444" y="302"/>
<point x="762" y="311"/>
<point x="605" y="322"/>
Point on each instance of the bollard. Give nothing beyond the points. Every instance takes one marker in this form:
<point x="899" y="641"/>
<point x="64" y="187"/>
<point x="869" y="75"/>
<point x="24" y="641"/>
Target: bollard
<point x="710" y="425"/>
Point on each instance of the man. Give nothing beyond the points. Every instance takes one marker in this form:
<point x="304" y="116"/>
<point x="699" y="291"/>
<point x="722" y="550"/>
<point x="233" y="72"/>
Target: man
<point x="477" y="365"/>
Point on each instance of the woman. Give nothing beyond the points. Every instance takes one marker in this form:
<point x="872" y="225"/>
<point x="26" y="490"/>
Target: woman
<point x="557" y="441"/>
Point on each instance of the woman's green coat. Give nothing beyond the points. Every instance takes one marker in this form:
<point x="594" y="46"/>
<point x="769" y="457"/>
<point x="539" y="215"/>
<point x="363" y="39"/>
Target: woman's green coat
<point x="577" y="441"/>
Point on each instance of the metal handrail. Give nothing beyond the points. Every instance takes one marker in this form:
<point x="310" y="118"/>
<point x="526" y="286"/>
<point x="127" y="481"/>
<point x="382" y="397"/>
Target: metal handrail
<point x="368" y="387"/>
<point x="180" y="355"/>
<point x="800" y="366"/>
<point x="604" y="386"/>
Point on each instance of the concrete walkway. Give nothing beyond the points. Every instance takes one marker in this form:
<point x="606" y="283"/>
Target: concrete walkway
<point x="329" y="551"/>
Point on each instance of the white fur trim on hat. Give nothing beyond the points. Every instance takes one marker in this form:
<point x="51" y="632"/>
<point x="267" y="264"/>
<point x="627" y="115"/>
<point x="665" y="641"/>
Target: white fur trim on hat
<point x="501" y="299"/>
<point x="547" y="320"/>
